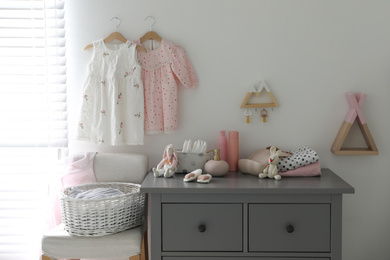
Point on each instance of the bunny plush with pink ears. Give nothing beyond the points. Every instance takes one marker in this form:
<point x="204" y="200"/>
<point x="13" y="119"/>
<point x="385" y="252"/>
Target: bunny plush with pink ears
<point x="168" y="164"/>
<point x="271" y="170"/>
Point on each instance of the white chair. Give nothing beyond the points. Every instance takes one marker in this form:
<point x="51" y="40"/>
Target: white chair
<point x="131" y="244"/>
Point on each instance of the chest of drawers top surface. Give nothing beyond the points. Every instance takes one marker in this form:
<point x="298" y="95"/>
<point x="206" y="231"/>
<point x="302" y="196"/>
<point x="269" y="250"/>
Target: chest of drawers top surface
<point x="237" y="182"/>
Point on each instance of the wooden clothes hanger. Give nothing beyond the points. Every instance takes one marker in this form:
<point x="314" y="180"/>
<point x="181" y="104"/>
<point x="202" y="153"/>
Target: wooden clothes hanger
<point x="116" y="36"/>
<point x="150" y="35"/>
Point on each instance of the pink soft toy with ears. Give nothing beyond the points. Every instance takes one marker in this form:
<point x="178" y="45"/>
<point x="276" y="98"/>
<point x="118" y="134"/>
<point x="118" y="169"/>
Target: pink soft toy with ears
<point x="168" y="164"/>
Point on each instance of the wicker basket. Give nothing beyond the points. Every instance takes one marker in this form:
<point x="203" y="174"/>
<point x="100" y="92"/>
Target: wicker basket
<point x="99" y="217"/>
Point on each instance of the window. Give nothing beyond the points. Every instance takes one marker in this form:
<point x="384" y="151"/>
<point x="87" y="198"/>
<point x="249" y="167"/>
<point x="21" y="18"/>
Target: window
<point x="33" y="119"/>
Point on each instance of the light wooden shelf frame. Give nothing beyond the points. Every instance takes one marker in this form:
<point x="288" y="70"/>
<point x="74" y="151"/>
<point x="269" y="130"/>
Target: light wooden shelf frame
<point x="355" y="103"/>
<point x="252" y="91"/>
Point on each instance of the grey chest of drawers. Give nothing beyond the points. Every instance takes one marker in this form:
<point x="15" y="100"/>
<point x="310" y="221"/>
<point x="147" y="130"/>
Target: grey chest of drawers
<point x="241" y="217"/>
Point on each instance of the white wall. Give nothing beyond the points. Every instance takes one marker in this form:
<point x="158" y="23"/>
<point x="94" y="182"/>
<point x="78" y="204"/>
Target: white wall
<point x="310" y="52"/>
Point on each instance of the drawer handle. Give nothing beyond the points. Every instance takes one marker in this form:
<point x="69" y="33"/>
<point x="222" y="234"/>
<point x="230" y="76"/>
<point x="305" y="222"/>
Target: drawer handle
<point x="202" y="228"/>
<point x="290" y="228"/>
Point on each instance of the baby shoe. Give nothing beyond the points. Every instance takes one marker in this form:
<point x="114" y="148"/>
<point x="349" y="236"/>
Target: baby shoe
<point x="204" y="178"/>
<point x="192" y="175"/>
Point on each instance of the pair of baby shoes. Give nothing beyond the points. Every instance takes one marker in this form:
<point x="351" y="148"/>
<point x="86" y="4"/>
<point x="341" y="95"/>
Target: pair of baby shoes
<point x="198" y="176"/>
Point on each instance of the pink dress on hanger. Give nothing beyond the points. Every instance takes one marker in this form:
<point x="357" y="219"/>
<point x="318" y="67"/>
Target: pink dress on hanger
<point x="163" y="68"/>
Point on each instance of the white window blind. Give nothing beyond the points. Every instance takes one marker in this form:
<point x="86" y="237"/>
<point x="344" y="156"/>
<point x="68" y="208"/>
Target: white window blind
<point x="33" y="119"/>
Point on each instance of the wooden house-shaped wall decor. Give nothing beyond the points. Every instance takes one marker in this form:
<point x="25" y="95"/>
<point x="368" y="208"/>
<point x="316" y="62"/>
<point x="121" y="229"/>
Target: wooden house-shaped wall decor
<point x="355" y="103"/>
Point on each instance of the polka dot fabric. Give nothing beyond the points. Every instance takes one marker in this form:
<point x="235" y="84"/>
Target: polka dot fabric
<point x="302" y="157"/>
<point x="163" y="69"/>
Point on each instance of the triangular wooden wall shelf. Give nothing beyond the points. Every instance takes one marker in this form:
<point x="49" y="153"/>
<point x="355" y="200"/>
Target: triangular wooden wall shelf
<point x="355" y="103"/>
<point x="253" y="91"/>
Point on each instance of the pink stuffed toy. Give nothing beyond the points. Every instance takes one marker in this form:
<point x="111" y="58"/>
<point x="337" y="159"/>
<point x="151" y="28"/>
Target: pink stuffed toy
<point x="168" y="164"/>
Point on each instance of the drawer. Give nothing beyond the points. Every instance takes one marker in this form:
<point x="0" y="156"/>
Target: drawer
<point x="242" y="258"/>
<point x="202" y="227"/>
<point x="289" y="227"/>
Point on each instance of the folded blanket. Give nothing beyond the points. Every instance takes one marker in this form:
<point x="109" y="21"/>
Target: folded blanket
<point x="302" y="157"/>
<point x="313" y="169"/>
<point x="97" y="193"/>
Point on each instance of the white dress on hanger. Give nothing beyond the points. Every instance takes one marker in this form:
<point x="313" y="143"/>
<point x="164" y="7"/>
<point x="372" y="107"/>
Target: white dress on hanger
<point x="112" y="111"/>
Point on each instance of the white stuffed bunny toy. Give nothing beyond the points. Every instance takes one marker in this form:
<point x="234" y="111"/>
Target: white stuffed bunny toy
<point x="168" y="164"/>
<point x="271" y="170"/>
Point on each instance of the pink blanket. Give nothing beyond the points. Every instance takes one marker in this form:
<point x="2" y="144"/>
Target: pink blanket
<point x="313" y="169"/>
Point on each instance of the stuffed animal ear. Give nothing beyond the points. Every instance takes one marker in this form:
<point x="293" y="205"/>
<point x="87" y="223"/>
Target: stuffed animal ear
<point x="284" y="154"/>
<point x="272" y="150"/>
<point x="279" y="153"/>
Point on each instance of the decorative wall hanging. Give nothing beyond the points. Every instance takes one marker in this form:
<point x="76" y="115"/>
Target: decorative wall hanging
<point x="248" y="114"/>
<point x="264" y="114"/>
<point x="252" y="91"/>
<point x="355" y="104"/>
<point x="263" y="88"/>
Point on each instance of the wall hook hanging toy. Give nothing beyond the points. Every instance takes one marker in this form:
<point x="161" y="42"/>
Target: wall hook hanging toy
<point x="355" y="104"/>
<point x="264" y="114"/>
<point x="253" y="92"/>
<point x="247" y="114"/>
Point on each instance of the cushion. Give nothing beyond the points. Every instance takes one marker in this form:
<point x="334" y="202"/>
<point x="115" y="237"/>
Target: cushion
<point x="79" y="170"/>
<point x="57" y="243"/>
<point x="257" y="161"/>
<point x="121" y="167"/>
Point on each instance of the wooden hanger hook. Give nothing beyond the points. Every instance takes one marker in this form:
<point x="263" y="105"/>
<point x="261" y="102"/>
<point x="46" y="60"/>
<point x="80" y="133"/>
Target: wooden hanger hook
<point x="153" y="22"/>
<point x="119" y="22"/>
